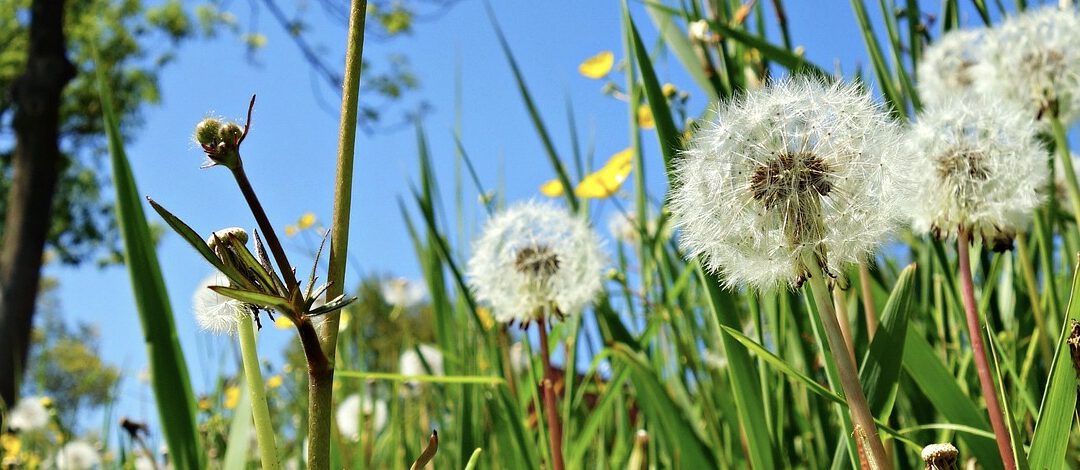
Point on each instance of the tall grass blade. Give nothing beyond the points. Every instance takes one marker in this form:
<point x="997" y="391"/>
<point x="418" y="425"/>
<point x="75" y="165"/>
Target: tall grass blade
<point x="168" y="369"/>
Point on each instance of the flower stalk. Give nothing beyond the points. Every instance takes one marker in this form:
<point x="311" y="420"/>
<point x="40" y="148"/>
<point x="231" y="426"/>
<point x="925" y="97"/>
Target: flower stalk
<point x="264" y="430"/>
<point x="550" y="406"/>
<point x="986" y="381"/>
<point x="863" y="421"/>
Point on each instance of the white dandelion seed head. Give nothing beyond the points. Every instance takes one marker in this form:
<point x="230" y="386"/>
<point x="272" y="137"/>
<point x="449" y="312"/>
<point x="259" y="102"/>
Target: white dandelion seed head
<point x="793" y="169"/>
<point x="949" y="66"/>
<point x="534" y="256"/>
<point x="1033" y="60"/>
<point x="411" y="364"/>
<point x="77" y="455"/>
<point x="215" y="312"/>
<point x="349" y="411"/>
<point x="979" y="167"/>
<point x="403" y="293"/>
<point x="29" y="414"/>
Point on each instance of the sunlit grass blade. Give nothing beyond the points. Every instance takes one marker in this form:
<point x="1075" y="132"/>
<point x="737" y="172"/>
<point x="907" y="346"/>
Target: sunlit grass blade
<point x="1057" y="412"/>
<point x="783" y="57"/>
<point x="240" y="432"/>
<point x="534" y="115"/>
<point x="877" y="58"/>
<point x="168" y="370"/>
<point x="677" y="40"/>
<point x="665" y="125"/>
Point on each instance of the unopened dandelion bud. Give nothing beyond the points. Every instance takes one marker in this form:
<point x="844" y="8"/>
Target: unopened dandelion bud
<point x="207" y="132"/>
<point x="230" y="133"/>
<point x="940" y="456"/>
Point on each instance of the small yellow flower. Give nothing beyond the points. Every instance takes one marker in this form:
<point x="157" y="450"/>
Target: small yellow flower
<point x="10" y="443"/>
<point x="205" y="404"/>
<point x="597" y="66"/>
<point x="486" y="319"/>
<point x="274" y="381"/>
<point x="306" y="221"/>
<point x="645" y="117"/>
<point x="232" y="397"/>
<point x="282" y="322"/>
<point x="552" y="188"/>
<point x="343" y="321"/>
<point x="46" y="402"/>
<point x="290" y="230"/>
<point x="606" y="181"/>
<point x="669" y="90"/>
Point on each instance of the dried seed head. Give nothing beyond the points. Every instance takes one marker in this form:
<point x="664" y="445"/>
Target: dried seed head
<point x="949" y="65"/>
<point x="980" y="167"/>
<point x="1033" y="60"/>
<point x="940" y="456"/>
<point x="794" y="169"/>
<point x="533" y="258"/>
<point x="538" y="261"/>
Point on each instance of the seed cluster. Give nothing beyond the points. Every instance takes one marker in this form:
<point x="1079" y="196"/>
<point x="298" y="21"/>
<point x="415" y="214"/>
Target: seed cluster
<point x="537" y="260"/>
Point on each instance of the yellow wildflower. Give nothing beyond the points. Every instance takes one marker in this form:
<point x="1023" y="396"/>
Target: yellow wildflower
<point x="306" y="221"/>
<point x="274" y="381"/>
<point x="46" y="402"/>
<point x="669" y="90"/>
<point x="10" y="443"/>
<point x="597" y="66"/>
<point x="606" y="181"/>
<point x="645" y="117"/>
<point x="232" y="397"/>
<point x="291" y="230"/>
<point x="205" y="404"/>
<point x="552" y="188"/>
<point x="282" y="322"/>
<point x="486" y="319"/>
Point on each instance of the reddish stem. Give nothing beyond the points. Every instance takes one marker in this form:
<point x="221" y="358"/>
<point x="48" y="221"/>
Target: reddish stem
<point x="550" y="408"/>
<point x="986" y="381"/>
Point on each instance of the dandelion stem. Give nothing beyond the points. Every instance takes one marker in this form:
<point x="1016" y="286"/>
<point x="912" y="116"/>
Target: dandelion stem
<point x="264" y="430"/>
<point x="868" y="300"/>
<point x="865" y="429"/>
<point x="1061" y="147"/>
<point x="550" y="407"/>
<point x="989" y="390"/>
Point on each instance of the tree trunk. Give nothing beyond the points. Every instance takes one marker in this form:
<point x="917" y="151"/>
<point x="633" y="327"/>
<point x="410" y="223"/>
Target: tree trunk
<point x="36" y="164"/>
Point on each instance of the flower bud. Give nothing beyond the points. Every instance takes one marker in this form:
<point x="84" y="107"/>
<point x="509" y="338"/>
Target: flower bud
<point x="207" y="131"/>
<point x="230" y="133"/>
<point x="225" y="234"/>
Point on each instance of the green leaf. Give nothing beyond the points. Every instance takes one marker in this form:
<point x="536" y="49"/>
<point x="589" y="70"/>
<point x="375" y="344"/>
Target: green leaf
<point x="340" y="302"/>
<point x="1050" y="442"/>
<point x="258" y="298"/>
<point x="877" y="58"/>
<point x="665" y="126"/>
<point x="684" y="444"/>
<point x="240" y="432"/>
<point x="932" y="377"/>
<point x="168" y="369"/>
<point x="784" y="57"/>
<point x="196" y="242"/>
<point x="678" y="41"/>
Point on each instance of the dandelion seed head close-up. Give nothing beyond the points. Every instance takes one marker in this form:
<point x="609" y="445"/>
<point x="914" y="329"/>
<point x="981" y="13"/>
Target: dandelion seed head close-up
<point x="349" y="412"/>
<point x="793" y="169"/>
<point x="979" y="167"/>
<point x="1033" y="59"/>
<point x="215" y="312"/>
<point x="949" y="66"/>
<point x="29" y="414"/>
<point x="533" y="257"/>
<point x="77" y="455"/>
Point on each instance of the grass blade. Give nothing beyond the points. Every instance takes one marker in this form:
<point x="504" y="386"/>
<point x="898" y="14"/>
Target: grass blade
<point x="1056" y="413"/>
<point x="168" y="369"/>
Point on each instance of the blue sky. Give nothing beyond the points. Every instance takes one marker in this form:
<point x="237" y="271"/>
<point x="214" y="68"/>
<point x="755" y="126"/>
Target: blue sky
<point x="290" y="152"/>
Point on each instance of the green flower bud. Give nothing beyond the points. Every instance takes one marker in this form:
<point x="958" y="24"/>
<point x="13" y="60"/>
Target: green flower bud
<point x="207" y="131"/>
<point x="230" y="133"/>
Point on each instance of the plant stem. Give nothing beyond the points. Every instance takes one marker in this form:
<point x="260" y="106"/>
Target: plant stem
<point x="1023" y="256"/>
<point x="989" y="391"/>
<point x="550" y="407"/>
<point x="268" y="230"/>
<point x="1061" y="147"/>
<point x="865" y="429"/>
<point x="842" y="319"/>
<point x="264" y="430"/>
<point x="868" y="300"/>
